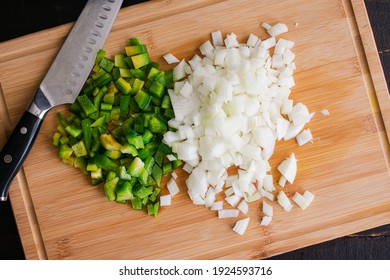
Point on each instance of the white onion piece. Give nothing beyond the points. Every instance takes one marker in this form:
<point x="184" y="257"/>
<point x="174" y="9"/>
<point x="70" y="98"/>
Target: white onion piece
<point x="252" y="40"/>
<point x="243" y="207"/>
<point x="172" y="187"/>
<point x="309" y="197"/>
<point x="268" y="183"/>
<point x="228" y="213"/>
<point x="282" y="181"/>
<point x="165" y="200"/>
<point x="218" y="205"/>
<point x="188" y="168"/>
<point x="171" y="157"/>
<point x="170" y="58"/>
<point x="304" y="137"/>
<point x="217" y="38"/>
<point x="325" y="112"/>
<point x="206" y="48"/>
<point x="233" y="200"/>
<point x="277" y="29"/>
<point x="174" y="175"/>
<point x="267" y="209"/>
<point x="265" y="221"/>
<point x="304" y="200"/>
<point x="241" y="226"/>
<point x="284" y="201"/>
<point x="288" y="168"/>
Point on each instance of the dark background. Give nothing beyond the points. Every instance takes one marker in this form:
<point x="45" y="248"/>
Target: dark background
<point x="18" y="18"/>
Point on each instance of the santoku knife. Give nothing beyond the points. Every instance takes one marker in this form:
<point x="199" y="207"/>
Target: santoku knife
<point x="62" y="83"/>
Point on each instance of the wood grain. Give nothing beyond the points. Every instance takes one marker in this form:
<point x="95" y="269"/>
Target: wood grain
<point x="347" y="158"/>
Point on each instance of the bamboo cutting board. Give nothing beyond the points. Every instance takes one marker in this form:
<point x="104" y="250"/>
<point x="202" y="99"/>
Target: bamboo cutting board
<point x="60" y="216"/>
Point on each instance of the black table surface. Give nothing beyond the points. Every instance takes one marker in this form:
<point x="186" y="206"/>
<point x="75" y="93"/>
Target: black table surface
<point x="20" y="17"/>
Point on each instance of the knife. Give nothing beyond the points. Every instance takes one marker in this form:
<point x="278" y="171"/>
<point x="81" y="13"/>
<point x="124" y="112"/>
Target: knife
<point x="61" y="85"/>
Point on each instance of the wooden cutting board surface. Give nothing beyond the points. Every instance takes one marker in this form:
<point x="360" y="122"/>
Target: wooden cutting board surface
<point x="60" y="216"/>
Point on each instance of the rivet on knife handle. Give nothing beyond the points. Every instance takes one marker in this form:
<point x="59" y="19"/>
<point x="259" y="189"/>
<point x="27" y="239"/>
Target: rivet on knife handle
<point x="62" y="83"/>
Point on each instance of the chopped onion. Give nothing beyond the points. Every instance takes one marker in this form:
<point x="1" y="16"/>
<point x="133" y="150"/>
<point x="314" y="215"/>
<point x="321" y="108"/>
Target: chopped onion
<point x="267" y="209"/>
<point x="304" y="137"/>
<point x="241" y="226"/>
<point x="268" y="183"/>
<point x="218" y="205"/>
<point x="243" y="207"/>
<point x="277" y="29"/>
<point x="188" y="168"/>
<point x="217" y="38"/>
<point x="170" y="58"/>
<point x="165" y="200"/>
<point x="288" y="168"/>
<point x="231" y="105"/>
<point x="172" y="187"/>
<point x="265" y="221"/>
<point x="228" y="213"/>
<point x="233" y="200"/>
<point x="252" y="40"/>
<point x="325" y="112"/>
<point x="284" y="201"/>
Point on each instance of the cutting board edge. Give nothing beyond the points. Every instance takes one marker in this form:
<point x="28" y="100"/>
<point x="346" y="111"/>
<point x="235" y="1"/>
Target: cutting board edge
<point x="376" y="80"/>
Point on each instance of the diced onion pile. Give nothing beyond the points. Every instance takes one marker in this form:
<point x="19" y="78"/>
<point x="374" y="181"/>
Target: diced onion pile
<point x="231" y="105"/>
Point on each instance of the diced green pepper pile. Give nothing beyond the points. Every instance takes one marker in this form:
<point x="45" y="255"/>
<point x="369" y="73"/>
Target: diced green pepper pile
<point x="115" y="129"/>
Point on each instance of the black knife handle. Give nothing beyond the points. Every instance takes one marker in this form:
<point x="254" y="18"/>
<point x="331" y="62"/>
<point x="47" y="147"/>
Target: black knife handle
<point x="16" y="149"/>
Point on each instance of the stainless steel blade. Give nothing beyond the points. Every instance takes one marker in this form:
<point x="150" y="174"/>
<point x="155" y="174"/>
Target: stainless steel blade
<point x="75" y="60"/>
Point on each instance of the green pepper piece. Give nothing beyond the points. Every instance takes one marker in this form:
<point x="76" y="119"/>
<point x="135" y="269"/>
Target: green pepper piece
<point x="56" y="138"/>
<point x="154" y="195"/>
<point x="104" y="162"/>
<point x="137" y="85"/>
<point x="129" y="149"/>
<point x="124" y="192"/>
<point x="134" y="41"/>
<point x="86" y="104"/>
<point x="142" y="191"/>
<point x="176" y="163"/>
<point x="167" y="167"/>
<point x="119" y="60"/>
<point x="73" y="130"/>
<point x="123" y="174"/>
<point x="109" y="188"/>
<point x="143" y="99"/>
<point x="136" y="167"/>
<point x="156" y="89"/>
<point x="125" y="73"/>
<point x="157" y="174"/>
<point x="79" y="149"/>
<point x="134" y="139"/>
<point x="113" y="154"/>
<point x="135" y="49"/>
<point x="140" y="60"/>
<point x="124" y="105"/>
<point x="65" y="151"/>
<point x="157" y="124"/>
<point x="103" y="80"/>
<point x="123" y="86"/>
<point x="153" y="208"/>
<point x="100" y="54"/>
<point x="149" y="163"/>
<point x="136" y="203"/>
<point x="109" y="142"/>
<point x="106" y="64"/>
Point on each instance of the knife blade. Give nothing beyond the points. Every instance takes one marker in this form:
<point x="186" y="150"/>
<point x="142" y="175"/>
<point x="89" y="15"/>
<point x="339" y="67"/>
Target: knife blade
<point x="61" y="85"/>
